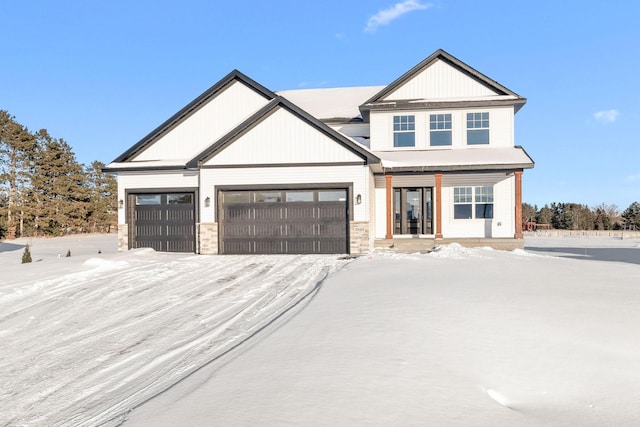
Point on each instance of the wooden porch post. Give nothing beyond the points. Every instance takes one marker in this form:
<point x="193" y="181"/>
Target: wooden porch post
<point x="518" y="213"/>
<point x="388" y="178"/>
<point x="438" y="206"/>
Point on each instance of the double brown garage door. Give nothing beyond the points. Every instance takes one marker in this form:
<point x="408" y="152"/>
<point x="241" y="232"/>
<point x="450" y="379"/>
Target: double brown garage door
<point x="283" y="221"/>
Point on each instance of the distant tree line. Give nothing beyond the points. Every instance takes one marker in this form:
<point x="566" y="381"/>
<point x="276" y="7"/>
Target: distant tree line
<point x="574" y="216"/>
<point x="45" y="191"/>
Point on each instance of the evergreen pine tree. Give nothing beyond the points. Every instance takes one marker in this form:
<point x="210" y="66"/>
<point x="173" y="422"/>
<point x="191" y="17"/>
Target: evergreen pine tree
<point x="101" y="207"/>
<point x="16" y="151"/>
<point x="545" y="215"/>
<point x="631" y="216"/>
<point x="26" y="255"/>
<point x="60" y="185"/>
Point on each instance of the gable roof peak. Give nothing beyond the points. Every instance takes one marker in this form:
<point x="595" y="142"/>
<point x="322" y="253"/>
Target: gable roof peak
<point x="451" y="60"/>
<point x="194" y="106"/>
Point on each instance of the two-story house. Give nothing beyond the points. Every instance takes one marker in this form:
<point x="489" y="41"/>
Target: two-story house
<point x="428" y="158"/>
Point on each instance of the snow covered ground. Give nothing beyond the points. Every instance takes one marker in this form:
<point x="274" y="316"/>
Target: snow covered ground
<point x="87" y="337"/>
<point x="455" y="337"/>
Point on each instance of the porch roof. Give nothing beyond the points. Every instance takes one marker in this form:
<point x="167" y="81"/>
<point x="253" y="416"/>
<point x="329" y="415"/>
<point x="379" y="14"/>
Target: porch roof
<point x="502" y="158"/>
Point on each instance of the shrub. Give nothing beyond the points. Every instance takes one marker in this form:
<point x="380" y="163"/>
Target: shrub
<point x="26" y="255"/>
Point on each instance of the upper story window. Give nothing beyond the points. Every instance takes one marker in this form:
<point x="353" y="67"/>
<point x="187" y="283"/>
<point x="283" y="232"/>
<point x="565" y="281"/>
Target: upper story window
<point x="472" y="202"/>
<point x="440" y="129"/>
<point x="404" y="131"/>
<point x="477" y="128"/>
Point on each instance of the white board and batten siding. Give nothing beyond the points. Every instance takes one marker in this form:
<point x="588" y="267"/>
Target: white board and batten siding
<point x="281" y="138"/>
<point x="501" y="128"/>
<point x="284" y="177"/>
<point x="130" y="181"/>
<point x="210" y="122"/>
<point x="440" y="80"/>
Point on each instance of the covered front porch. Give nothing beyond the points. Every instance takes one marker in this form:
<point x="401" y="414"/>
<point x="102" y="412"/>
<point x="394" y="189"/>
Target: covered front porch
<point x="430" y="197"/>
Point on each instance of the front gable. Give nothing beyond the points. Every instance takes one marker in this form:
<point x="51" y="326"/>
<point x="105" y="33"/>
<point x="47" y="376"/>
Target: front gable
<point x="441" y="80"/>
<point x="201" y="122"/>
<point x="282" y="134"/>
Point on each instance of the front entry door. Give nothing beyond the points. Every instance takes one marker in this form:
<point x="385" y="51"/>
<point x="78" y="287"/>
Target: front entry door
<point x="413" y="210"/>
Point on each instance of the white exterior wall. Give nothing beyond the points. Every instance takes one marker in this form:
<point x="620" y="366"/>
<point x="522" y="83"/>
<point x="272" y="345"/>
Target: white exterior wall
<point x="283" y="138"/>
<point x="371" y="201"/>
<point x="381" y="212"/>
<point x="212" y="121"/>
<point x="316" y="175"/>
<point x="152" y="180"/>
<point x="502" y="223"/>
<point x="501" y="133"/>
<point x="440" y="80"/>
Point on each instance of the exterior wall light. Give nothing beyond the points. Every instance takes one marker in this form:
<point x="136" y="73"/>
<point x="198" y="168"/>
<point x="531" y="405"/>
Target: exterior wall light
<point x="358" y="199"/>
<point x="121" y="204"/>
<point x="207" y="202"/>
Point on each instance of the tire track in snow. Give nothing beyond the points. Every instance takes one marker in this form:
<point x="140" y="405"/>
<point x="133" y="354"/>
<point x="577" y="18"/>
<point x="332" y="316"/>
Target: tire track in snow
<point x="226" y="347"/>
<point x="78" y="345"/>
<point x="130" y="335"/>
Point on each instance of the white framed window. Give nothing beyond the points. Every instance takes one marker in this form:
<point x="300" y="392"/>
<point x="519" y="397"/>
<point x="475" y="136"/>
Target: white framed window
<point x="463" y="202"/>
<point x="477" y="128"/>
<point x="484" y="202"/>
<point x="473" y="202"/>
<point x="404" y="131"/>
<point x="439" y="130"/>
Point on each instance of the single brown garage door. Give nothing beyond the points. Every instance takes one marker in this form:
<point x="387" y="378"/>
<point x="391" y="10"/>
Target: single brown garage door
<point x="164" y="222"/>
<point x="283" y="221"/>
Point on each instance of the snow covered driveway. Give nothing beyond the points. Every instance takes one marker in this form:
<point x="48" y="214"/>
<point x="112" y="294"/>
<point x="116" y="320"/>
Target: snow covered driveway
<point x="459" y="337"/>
<point x="84" y="346"/>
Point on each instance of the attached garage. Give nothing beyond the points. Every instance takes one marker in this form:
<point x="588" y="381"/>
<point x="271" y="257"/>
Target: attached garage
<point x="162" y="221"/>
<point x="294" y="221"/>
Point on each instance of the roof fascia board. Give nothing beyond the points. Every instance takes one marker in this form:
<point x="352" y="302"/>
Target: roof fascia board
<point x="403" y="105"/>
<point x="192" y="107"/>
<point x="144" y="169"/>
<point x="280" y="165"/>
<point x="526" y="154"/>
<point x="459" y="168"/>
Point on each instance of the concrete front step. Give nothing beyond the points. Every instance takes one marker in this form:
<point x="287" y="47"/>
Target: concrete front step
<point x="425" y="244"/>
<point x="406" y="245"/>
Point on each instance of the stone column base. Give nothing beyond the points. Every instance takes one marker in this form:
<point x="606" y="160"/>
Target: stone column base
<point x="208" y="238"/>
<point x="359" y="242"/>
<point x="123" y="237"/>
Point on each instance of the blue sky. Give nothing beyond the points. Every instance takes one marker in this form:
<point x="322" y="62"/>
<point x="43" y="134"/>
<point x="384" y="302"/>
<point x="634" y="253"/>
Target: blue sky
<point x="101" y="75"/>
